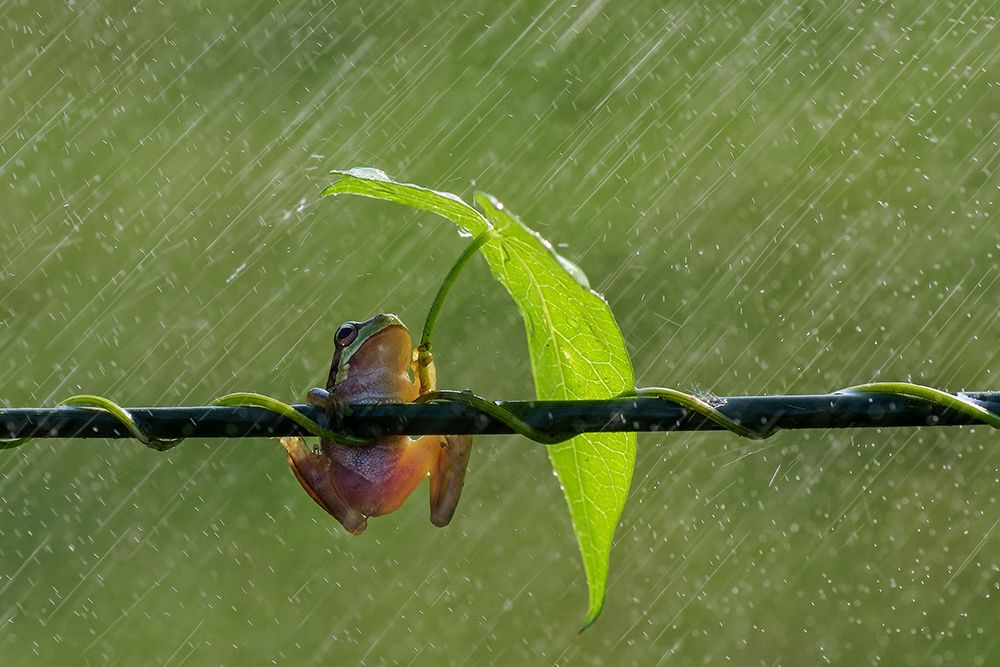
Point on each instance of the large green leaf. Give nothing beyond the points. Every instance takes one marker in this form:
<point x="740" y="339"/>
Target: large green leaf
<point x="576" y="351"/>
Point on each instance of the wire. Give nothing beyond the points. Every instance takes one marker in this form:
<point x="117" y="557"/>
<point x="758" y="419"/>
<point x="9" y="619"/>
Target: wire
<point x="881" y="405"/>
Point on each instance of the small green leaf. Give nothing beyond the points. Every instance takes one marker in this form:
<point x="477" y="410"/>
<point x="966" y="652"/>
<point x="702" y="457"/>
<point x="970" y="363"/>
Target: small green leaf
<point x="576" y="351"/>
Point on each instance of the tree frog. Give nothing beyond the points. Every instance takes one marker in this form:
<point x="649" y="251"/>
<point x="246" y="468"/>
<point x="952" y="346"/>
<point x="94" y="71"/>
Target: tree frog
<point x="374" y="362"/>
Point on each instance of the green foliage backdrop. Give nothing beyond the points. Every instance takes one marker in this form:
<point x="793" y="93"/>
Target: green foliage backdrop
<point x="773" y="197"/>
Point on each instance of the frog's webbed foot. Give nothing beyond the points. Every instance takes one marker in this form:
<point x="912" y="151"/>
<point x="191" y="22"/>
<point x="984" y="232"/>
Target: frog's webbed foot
<point x="448" y="476"/>
<point x="315" y="474"/>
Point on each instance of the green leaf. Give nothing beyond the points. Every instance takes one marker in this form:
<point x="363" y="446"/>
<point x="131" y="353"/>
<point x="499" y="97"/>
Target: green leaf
<point x="576" y="350"/>
<point x="372" y="182"/>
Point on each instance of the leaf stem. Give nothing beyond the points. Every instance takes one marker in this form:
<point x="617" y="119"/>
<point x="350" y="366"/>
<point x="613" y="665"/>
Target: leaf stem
<point x="449" y="281"/>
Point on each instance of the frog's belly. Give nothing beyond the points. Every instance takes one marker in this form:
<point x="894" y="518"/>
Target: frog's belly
<point x="376" y="479"/>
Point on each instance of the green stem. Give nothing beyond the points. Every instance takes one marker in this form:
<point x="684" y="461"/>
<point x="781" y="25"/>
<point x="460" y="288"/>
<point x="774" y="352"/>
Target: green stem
<point x="521" y="427"/>
<point x="287" y="411"/>
<point x="705" y="409"/>
<point x="944" y="399"/>
<point x="449" y="280"/>
<point x="124" y="416"/>
<point x="105" y="405"/>
<point x="490" y="408"/>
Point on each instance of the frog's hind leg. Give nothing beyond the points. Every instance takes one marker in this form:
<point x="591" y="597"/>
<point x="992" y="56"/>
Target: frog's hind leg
<point x="448" y="476"/>
<point x="315" y="474"/>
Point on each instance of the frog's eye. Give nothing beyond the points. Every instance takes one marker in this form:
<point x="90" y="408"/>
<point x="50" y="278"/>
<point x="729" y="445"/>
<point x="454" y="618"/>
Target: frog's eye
<point x="345" y="334"/>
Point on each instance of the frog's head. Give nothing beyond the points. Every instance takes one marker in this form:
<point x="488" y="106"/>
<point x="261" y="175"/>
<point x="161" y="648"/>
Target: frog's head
<point x="372" y="359"/>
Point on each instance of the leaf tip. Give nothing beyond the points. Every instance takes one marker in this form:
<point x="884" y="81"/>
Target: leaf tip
<point x="592" y="615"/>
<point x="361" y="173"/>
<point x="485" y="198"/>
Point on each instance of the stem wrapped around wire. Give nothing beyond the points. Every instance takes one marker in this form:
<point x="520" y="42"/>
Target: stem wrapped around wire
<point x="102" y="404"/>
<point x="714" y="412"/>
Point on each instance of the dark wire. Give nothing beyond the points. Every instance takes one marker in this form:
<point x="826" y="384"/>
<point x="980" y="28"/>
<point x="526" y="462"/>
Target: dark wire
<point x="557" y="420"/>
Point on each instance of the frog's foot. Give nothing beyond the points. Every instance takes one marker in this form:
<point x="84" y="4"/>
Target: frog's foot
<point x="332" y="406"/>
<point x="315" y="474"/>
<point x="448" y="476"/>
<point x="321" y="398"/>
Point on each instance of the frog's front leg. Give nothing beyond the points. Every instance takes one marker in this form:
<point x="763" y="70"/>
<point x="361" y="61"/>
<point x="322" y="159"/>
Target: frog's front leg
<point x="426" y="373"/>
<point x="448" y="476"/>
<point x="315" y="473"/>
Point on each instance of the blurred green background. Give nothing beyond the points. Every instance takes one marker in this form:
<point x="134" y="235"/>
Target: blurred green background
<point x="780" y="197"/>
